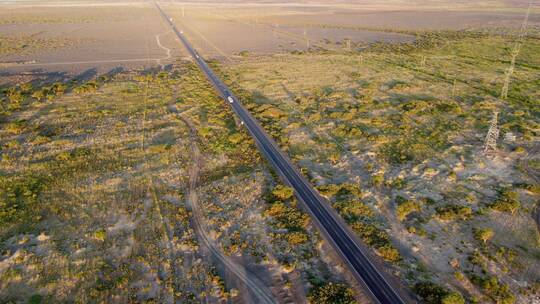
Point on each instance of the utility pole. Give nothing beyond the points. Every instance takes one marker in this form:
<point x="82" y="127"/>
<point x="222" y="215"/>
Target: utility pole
<point x="306" y="38"/>
<point x="490" y="143"/>
<point x="183" y="11"/>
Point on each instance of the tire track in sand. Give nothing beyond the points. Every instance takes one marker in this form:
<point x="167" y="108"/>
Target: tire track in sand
<point x="259" y="289"/>
<point x="166" y="49"/>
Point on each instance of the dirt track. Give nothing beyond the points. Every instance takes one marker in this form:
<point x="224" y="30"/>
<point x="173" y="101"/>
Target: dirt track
<point x="259" y="289"/>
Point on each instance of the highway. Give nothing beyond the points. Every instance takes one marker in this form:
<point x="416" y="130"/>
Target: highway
<point x="332" y="227"/>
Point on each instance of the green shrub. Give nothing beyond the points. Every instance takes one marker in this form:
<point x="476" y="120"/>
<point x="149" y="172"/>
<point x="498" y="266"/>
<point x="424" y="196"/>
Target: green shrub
<point x="389" y="253"/>
<point x="349" y="189"/>
<point x="328" y="190"/>
<point x="341" y="191"/>
<point x="377" y="238"/>
<point x="35" y="299"/>
<point x="38" y="95"/>
<point x="58" y="89"/>
<point x="406" y="207"/>
<point x="18" y="198"/>
<point x="297" y="238"/>
<point x="287" y="217"/>
<point x="100" y="234"/>
<point x="235" y="138"/>
<point x="353" y="210"/>
<point x="331" y="293"/>
<point x="453" y="298"/>
<point x="507" y="201"/>
<point x="377" y="180"/>
<point x="406" y="149"/>
<point x="432" y="293"/>
<point x="360" y="217"/>
<point x="16" y="127"/>
<point x="483" y="234"/>
<point x="500" y="293"/>
<point x="243" y="53"/>
<point x="14" y="95"/>
<point x="88" y="87"/>
<point x="283" y="192"/>
<point x="454" y="212"/>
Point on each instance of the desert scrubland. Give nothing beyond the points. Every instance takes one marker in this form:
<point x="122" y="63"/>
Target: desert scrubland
<point x="125" y="178"/>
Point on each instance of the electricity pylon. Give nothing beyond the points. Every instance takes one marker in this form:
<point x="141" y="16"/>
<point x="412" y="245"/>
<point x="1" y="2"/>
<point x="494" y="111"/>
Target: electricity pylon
<point x="490" y="144"/>
<point x="515" y="52"/>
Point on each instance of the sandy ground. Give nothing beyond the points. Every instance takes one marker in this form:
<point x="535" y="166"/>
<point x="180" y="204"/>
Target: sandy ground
<point x="222" y="31"/>
<point x="120" y="36"/>
<point x="225" y="32"/>
<point x="407" y="19"/>
<point x="109" y="35"/>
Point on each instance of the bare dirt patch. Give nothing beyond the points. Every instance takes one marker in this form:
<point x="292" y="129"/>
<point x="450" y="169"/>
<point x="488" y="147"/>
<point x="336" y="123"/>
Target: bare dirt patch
<point x="102" y="38"/>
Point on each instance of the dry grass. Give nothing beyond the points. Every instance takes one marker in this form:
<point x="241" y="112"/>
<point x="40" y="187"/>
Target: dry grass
<point x="400" y="125"/>
<point x="94" y="188"/>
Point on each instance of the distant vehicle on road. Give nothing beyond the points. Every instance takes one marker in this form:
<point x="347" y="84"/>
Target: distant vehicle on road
<point x="331" y="225"/>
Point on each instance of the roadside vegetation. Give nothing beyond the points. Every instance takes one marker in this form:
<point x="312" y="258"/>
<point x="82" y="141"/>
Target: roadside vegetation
<point x="392" y="135"/>
<point x="94" y="190"/>
<point x="98" y="178"/>
<point x="82" y="204"/>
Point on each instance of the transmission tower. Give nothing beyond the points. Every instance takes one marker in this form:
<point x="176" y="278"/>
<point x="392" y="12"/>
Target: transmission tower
<point x="515" y="52"/>
<point x="490" y="144"/>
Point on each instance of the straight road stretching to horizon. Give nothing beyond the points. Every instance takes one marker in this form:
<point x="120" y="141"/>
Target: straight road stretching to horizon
<point x="331" y="225"/>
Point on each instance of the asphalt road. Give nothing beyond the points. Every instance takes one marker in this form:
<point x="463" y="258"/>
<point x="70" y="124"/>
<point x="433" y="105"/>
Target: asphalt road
<point x="331" y="225"/>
